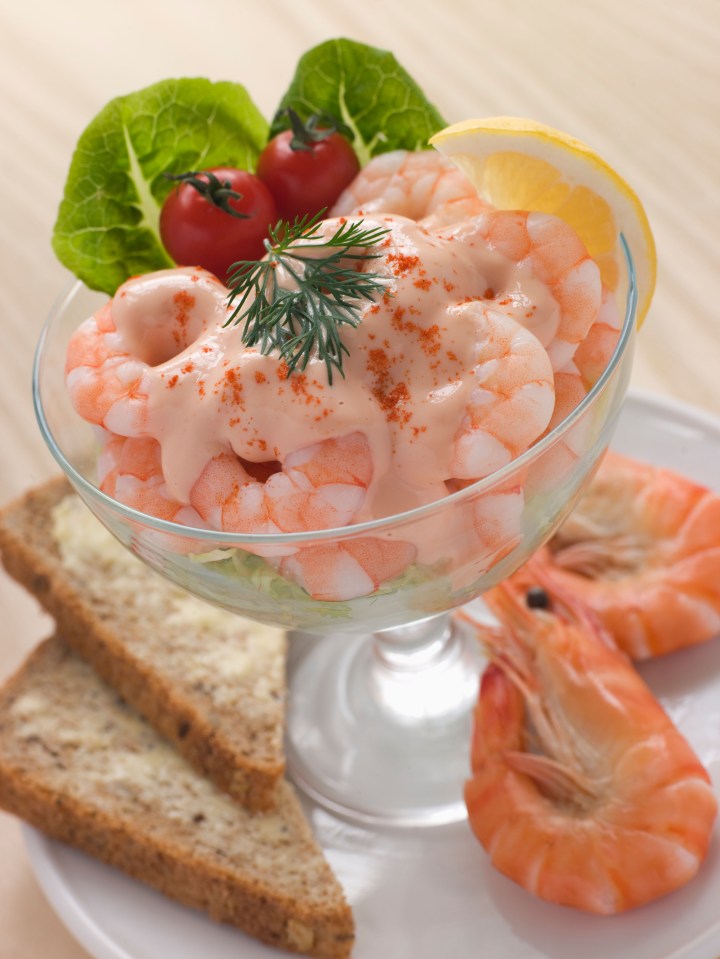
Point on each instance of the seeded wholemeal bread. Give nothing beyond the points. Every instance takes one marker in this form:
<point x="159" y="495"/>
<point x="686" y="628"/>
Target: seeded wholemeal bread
<point x="81" y="766"/>
<point x="211" y="682"/>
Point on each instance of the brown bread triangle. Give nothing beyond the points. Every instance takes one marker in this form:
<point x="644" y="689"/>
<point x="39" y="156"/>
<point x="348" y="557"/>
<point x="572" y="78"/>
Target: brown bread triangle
<point x="211" y="682"/>
<point x="84" y="768"/>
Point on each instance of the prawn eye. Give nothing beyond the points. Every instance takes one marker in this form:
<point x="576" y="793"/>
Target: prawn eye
<point x="537" y="598"/>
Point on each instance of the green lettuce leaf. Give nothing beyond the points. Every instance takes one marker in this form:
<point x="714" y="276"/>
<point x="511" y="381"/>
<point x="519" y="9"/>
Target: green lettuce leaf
<point x="367" y="90"/>
<point x="107" y="226"/>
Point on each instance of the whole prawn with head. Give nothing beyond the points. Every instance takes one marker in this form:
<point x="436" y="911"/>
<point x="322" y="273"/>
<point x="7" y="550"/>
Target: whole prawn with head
<point x="582" y="789"/>
<point x="642" y="550"/>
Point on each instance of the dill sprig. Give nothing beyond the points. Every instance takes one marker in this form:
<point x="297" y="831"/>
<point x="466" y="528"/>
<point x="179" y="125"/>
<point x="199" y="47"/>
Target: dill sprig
<point x="298" y="297"/>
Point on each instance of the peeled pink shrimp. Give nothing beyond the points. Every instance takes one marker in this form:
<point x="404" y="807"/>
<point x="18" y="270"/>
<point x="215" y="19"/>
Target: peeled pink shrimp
<point x="109" y="365"/>
<point x="591" y="358"/>
<point x="130" y="470"/>
<point x="321" y="486"/>
<point x="510" y="406"/>
<point x="544" y="252"/>
<point x="497" y="519"/>
<point x="513" y="395"/>
<point x="428" y="187"/>
<point x="107" y="385"/>
<point x="420" y="185"/>
<point x="572" y="384"/>
<point x="593" y="355"/>
<point x="342" y="571"/>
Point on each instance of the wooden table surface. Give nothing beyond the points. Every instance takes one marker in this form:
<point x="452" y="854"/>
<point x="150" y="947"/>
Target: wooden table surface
<point x="637" y="79"/>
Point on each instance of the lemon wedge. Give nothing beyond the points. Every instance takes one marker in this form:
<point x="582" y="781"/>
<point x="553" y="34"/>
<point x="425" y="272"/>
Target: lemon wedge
<point x="518" y="164"/>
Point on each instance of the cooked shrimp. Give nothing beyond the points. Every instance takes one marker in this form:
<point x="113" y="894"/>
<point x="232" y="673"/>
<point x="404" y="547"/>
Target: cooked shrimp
<point x="512" y="398"/>
<point x="130" y="470"/>
<point x="342" y="571"/>
<point x="576" y="379"/>
<point x="572" y="385"/>
<point x="594" y="353"/>
<point x="109" y="365"/>
<point x="583" y="791"/>
<point x="497" y="518"/>
<point x="511" y="402"/>
<point x="107" y="385"/>
<point x="321" y="486"/>
<point x="543" y="251"/>
<point x="420" y="185"/>
<point x="642" y="549"/>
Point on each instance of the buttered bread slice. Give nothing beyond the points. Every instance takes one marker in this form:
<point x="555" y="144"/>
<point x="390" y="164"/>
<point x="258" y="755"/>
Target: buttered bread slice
<point x="211" y="682"/>
<point x="84" y="768"/>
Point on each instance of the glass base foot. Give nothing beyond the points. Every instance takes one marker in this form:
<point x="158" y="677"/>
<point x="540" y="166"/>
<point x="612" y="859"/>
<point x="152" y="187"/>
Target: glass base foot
<point x="379" y="730"/>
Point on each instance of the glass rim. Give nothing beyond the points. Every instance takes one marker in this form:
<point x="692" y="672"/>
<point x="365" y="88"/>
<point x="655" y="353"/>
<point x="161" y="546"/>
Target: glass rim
<point x="220" y="538"/>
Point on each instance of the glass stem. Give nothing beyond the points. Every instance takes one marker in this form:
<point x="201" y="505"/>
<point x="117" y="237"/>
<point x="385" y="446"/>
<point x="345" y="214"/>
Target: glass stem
<point x="425" y="672"/>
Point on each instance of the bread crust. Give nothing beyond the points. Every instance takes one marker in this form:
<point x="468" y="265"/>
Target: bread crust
<point x="31" y="556"/>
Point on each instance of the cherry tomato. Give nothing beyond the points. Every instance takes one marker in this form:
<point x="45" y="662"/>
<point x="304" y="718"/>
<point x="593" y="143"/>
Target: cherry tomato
<point x="196" y="231"/>
<point x="304" y="180"/>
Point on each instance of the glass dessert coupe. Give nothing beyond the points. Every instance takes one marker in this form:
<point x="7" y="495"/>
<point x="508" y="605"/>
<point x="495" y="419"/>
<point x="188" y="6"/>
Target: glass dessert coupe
<point x="381" y="686"/>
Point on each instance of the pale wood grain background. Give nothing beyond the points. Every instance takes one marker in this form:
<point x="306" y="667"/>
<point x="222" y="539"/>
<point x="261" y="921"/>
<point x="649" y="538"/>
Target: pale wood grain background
<point x="637" y="79"/>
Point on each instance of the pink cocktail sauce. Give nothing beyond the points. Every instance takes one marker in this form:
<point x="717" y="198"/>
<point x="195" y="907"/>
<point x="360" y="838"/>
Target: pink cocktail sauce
<point x="407" y="379"/>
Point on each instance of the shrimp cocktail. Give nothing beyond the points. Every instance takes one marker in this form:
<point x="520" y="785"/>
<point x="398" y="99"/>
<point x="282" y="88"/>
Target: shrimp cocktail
<point x="343" y="373"/>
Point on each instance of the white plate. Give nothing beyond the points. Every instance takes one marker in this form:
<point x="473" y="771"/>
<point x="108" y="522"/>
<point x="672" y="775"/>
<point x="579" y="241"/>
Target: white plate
<point x="429" y="894"/>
